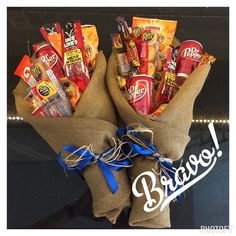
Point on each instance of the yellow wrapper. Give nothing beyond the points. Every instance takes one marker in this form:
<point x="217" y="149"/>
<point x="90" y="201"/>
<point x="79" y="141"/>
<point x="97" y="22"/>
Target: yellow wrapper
<point x="166" y="34"/>
<point x="91" y="41"/>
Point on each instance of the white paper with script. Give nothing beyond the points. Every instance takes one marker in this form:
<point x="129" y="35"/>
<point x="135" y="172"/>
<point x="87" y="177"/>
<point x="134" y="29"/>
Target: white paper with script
<point x="207" y="159"/>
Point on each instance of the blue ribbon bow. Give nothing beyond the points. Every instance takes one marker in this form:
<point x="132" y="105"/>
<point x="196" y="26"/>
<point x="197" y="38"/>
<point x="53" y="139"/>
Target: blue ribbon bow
<point x="148" y="149"/>
<point x="88" y="157"/>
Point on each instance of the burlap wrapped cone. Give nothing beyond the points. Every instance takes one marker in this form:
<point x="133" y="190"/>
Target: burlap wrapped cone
<point x="94" y="122"/>
<point x="170" y="135"/>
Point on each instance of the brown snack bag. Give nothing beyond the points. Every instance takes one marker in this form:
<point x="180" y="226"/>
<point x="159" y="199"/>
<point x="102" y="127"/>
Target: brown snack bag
<point x="170" y="135"/>
<point x="93" y="122"/>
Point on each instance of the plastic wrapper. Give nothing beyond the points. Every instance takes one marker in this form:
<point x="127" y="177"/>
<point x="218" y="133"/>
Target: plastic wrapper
<point x="91" y="42"/>
<point x="52" y="34"/>
<point x="123" y="63"/>
<point x="128" y="40"/>
<point x="74" y="56"/>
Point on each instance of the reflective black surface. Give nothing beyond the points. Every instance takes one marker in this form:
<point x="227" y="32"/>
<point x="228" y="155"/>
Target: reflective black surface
<point x="41" y="195"/>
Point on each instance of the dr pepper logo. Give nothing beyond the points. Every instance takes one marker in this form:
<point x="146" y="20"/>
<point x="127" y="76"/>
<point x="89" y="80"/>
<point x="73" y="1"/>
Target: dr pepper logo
<point x="50" y="58"/>
<point x="137" y="92"/>
<point x="191" y="53"/>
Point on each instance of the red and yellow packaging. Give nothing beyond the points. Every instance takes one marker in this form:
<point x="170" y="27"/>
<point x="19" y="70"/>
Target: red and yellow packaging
<point x="149" y="51"/>
<point x="24" y="71"/>
<point x="52" y="34"/>
<point x="206" y="58"/>
<point x="129" y="42"/>
<point x="165" y="36"/>
<point x="137" y="31"/>
<point x="91" y="42"/>
<point x="74" y="55"/>
<point x="166" y="89"/>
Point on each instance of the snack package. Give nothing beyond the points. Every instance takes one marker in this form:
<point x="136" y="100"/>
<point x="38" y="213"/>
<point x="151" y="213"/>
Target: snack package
<point x="74" y="56"/>
<point x="34" y="101"/>
<point x="206" y="58"/>
<point x="49" y="55"/>
<point x="44" y="85"/>
<point x="148" y="51"/>
<point x="91" y="41"/>
<point x="23" y="70"/>
<point x="51" y="58"/>
<point x="128" y="40"/>
<point x="52" y="34"/>
<point x="71" y="89"/>
<point x="165" y="38"/>
<point x="137" y="31"/>
<point x="166" y="34"/>
<point x="41" y="69"/>
<point x="123" y="63"/>
<point x="51" y="100"/>
<point x="166" y="88"/>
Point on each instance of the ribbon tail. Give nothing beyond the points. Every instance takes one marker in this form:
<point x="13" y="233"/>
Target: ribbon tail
<point x="109" y="177"/>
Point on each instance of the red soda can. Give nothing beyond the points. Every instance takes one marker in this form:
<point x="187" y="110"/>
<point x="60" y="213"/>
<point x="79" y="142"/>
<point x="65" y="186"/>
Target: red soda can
<point x="189" y="55"/>
<point x="141" y="93"/>
<point x="51" y="58"/>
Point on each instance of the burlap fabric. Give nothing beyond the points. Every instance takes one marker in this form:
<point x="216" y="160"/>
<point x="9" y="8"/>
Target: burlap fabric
<point x="170" y="135"/>
<point x="93" y="122"/>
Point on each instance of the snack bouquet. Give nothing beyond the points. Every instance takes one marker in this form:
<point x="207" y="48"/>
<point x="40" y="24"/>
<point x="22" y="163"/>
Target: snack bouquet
<point x="63" y="95"/>
<point x="154" y="80"/>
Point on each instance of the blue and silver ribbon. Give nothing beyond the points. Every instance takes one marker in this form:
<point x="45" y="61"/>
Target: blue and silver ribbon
<point x="138" y="145"/>
<point x="80" y="158"/>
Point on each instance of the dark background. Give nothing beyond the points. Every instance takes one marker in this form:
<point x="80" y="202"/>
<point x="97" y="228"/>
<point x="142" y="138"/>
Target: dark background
<point x="38" y="187"/>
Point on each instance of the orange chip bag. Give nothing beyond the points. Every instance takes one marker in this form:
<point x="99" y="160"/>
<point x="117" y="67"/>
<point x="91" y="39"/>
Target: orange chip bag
<point x="166" y="34"/>
<point x="91" y="41"/>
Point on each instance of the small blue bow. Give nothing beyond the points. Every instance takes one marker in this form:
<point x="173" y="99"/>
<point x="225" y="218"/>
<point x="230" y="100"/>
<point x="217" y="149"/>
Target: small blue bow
<point x="87" y="157"/>
<point x="147" y="149"/>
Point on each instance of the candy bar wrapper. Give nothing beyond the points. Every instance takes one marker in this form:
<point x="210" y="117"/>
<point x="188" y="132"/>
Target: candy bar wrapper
<point x="170" y="136"/>
<point x="93" y="122"/>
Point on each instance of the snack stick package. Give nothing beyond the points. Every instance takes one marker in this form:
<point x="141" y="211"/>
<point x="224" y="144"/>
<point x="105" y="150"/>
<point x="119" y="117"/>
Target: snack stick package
<point x="166" y="34"/>
<point x="74" y="56"/>
<point x="91" y="42"/>
<point x="52" y="34"/>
